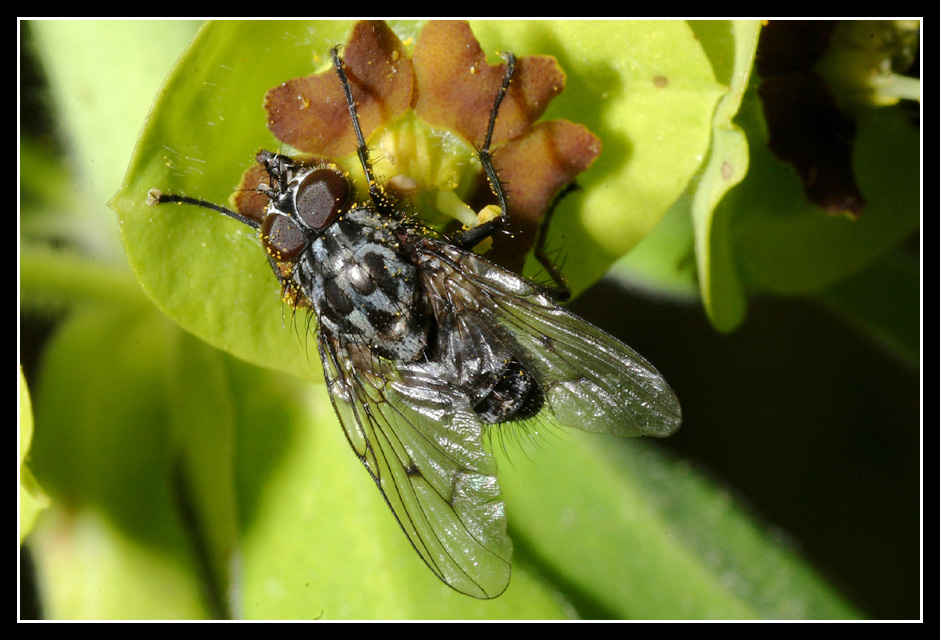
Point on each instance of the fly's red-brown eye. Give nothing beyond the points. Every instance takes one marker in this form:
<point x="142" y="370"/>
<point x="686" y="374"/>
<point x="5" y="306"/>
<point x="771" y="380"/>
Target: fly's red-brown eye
<point x="321" y="196"/>
<point x="283" y="239"/>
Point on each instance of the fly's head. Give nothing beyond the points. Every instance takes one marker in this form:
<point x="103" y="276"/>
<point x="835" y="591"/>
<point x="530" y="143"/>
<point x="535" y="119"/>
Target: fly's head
<point x="303" y="200"/>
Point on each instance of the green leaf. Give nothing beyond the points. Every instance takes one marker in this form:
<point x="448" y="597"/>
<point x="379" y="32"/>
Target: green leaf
<point x="640" y="536"/>
<point x="727" y="166"/>
<point x="665" y="258"/>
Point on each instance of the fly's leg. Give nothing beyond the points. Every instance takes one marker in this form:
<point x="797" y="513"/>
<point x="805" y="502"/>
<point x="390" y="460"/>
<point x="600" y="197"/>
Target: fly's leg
<point x="561" y="292"/>
<point x="469" y="238"/>
<point x="379" y="199"/>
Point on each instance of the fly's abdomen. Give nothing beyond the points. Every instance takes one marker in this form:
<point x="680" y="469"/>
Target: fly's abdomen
<point x="363" y="290"/>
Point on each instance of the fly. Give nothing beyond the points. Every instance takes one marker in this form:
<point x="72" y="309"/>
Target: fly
<point x="426" y="345"/>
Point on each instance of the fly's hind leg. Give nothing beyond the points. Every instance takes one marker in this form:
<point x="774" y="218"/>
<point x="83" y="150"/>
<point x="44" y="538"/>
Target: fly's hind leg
<point x="560" y="290"/>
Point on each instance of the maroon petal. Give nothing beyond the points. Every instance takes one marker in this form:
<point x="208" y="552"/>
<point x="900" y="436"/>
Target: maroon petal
<point x="456" y="86"/>
<point x="310" y="113"/>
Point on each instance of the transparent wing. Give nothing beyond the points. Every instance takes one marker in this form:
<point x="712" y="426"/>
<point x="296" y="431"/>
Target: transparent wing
<point x="590" y="379"/>
<point x="422" y="444"/>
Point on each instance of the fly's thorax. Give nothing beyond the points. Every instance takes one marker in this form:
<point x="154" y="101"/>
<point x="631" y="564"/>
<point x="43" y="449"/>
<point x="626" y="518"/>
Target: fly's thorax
<point x="363" y="287"/>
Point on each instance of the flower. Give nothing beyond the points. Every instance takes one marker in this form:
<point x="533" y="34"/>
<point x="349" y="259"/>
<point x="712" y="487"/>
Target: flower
<point x="423" y="117"/>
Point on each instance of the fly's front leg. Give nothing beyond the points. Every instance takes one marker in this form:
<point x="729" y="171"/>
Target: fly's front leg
<point x="469" y="238"/>
<point x="379" y="199"/>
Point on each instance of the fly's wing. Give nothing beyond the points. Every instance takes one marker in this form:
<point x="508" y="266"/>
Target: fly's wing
<point x="422" y="444"/>
<point x="590" y="379"/>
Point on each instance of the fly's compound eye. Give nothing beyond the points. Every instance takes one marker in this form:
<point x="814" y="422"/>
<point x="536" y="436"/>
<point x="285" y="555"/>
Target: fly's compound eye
<point x="320" y="196"/>
<point x="283" y="239"/>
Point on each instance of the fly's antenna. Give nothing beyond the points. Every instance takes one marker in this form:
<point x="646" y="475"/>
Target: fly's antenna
<point x="155" y="197"/>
